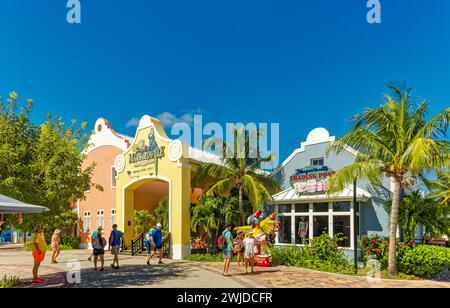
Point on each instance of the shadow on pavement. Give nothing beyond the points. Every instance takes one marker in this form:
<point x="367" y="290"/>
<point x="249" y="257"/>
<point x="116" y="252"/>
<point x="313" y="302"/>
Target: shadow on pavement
<point x="132" y="275"/>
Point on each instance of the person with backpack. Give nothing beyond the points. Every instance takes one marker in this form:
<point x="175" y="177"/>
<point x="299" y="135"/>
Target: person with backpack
<point x="225" y="242"/>
<point x="99" y="244"/>
<point x="115" y="241"/>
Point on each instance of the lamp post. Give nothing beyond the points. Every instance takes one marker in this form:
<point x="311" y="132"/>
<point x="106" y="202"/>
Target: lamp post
<point x="355" y="231"/>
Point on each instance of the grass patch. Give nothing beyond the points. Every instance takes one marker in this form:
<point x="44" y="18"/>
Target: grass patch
<point x="198" y="257"/>
<point x="9" y="282"/>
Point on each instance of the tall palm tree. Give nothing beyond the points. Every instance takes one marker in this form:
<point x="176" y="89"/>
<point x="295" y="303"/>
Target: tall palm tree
<point x="394" y="140"/>
<point x="240" y="171"/>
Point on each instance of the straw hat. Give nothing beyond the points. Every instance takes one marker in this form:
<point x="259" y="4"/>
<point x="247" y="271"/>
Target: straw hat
<point x="57" y="231"/>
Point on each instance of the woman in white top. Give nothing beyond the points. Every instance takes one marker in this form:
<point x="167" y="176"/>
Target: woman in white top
<point x="249" y="251"/>
<point x="56" y="245"/>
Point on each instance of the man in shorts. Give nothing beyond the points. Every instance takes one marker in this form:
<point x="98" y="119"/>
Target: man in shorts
<point x="228" y="250"/>
<point x="115" y="240"/>
<point x="39" y="248"/>
<point x="156" y="239"/>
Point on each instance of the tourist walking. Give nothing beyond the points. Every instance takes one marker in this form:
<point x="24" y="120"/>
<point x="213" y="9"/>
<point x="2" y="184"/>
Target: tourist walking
<point x="93" y="236"/>
<point x="249" y="251"/>
<point x="115" y="241"/>
<point x="39" y="248"/>
<point x="98" y="244"/>
<point x="148" y="244"/>
<point x="56" y="245"/>
<point x="156" y="243"/>
<point x="239" y="247"/>
<point x="227" y="249"/>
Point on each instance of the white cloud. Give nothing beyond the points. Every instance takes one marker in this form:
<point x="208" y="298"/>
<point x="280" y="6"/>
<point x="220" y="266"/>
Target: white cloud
<point x="168" y="119"/>
<point x="133" y="122"/>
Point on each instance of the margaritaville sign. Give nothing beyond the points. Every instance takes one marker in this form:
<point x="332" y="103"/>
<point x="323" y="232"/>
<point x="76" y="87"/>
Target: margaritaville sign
<point x="143" y="154"/>
<point x="311" y="179"/>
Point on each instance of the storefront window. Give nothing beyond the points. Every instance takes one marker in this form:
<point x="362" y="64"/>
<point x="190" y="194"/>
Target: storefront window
<point x="341" y="206"/>
<point x="284" y="208"/>
<point x="302" y="208"/>
<point x="341" y="224"/>
<point x="301" y="229"/>
<point x="320" y="207"/>
<point x="284" y="235"/>
<point x="320" y="225"/>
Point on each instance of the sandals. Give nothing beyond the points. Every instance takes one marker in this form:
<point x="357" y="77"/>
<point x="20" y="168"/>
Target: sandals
<point x="38" y="280"/>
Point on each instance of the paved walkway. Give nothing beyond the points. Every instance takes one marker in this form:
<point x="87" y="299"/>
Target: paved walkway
<point x="180" y="274"/>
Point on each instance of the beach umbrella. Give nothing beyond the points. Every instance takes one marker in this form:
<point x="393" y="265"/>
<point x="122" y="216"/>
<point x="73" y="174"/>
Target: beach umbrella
<point x="12" y="206"/>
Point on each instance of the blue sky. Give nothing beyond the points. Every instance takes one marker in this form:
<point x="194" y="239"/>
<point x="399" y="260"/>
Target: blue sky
<point x="300" y="63"/>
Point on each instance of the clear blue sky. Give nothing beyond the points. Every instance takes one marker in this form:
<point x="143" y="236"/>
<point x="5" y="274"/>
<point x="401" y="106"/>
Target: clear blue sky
<point x="303" y="64"/>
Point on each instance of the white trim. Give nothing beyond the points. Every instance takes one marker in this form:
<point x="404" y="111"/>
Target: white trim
<point x="105" y="136"/>
<point x="179" y="252"/>
<point x="316" y="136"/>
<point x="330" y="214"/>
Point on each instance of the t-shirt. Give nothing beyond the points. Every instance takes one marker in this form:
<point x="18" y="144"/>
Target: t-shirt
<point x="157" y="237"/>
<point x="40" y="241"/>
<point x="249" y="246"/>
<point x="148" y="236"/>
<point x="228" y="237"/>
<point x="115" y="238"/>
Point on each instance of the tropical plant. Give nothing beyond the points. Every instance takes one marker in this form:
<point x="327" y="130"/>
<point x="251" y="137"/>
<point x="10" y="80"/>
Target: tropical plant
<point x="416" y="209"/>
<point x="161" y="214"/>
<point x="440" y="188"/>
<point x="9" y="282"/>
<point x="142" y="221"/>
<point x="211" y="213"/>
<point x="240" y="171"/>
<point x="396" y="141"/>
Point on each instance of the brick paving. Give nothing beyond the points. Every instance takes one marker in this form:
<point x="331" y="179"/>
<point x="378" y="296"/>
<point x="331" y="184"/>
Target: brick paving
<point x="181" y="274"/>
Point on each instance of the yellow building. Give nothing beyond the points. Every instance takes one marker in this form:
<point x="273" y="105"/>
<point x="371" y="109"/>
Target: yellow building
<point x="148" y="167"/>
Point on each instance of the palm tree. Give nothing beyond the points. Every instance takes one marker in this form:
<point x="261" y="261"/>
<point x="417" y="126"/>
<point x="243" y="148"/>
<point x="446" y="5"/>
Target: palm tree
<point x="394" y="140"/>
<point x="440" y="188"/>
<point x="210" y="214"/>
<point x="240" y="171"/>
<point x="416" y="209"/>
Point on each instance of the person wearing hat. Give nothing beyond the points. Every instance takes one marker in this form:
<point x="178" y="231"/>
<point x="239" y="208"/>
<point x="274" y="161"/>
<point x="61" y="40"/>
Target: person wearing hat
<point x="99" y="243"/>
<point x="239" y="246"/>
<point x="156" y="243"/>
<point x="94" y="235"/>
<point x="56" y="245"/>
<point x="249" y="251"/>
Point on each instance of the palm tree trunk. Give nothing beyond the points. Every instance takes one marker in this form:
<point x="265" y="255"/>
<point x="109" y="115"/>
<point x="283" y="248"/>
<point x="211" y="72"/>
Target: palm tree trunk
<point x="392" y="262"/>
<point x="241" y="205"/>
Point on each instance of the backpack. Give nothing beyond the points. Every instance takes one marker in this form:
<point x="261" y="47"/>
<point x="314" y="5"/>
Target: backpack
<point x="221" y="242"/>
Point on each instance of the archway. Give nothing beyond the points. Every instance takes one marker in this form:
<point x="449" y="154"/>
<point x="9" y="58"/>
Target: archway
<point x="154" y="158"/>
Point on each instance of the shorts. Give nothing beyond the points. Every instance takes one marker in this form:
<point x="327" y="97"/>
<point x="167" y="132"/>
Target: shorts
<point x="227" y="254"/>
<point x="148" y="246"/>
<point x="38" y="257"/>
<point x="154" y="248"/>
<point x="98" y="251"/>
<point x="115" y="250"/>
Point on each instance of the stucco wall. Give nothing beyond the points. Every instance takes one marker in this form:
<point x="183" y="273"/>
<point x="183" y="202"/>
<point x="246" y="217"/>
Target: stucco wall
<point x="103" y="157"/>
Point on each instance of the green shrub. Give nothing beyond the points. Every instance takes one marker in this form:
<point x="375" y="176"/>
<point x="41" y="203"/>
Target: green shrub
<point x="323" y="254"/>
<point x="412" y="259"/>
<point x="424" y="260"/>
<point x="9" y="282"/>
<point x="198" y="257"/>
<point x="70" y="241"/>
<point x="28" y="247"/>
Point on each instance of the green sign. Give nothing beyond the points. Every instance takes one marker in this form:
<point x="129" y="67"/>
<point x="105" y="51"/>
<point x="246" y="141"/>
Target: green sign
<point x="145" y="154"/>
